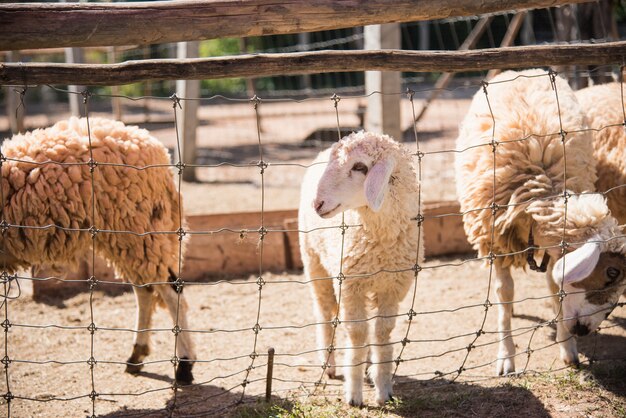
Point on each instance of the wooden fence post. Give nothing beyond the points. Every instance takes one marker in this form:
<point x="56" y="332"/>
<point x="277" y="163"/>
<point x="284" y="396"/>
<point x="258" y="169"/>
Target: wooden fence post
<point x="383" y="110"/>
<point x="15" y="111"/>
<point x="188" y="123"/>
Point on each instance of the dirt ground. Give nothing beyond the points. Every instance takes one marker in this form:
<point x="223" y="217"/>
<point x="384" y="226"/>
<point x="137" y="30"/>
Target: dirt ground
<point x="48" y="342"/>
<point x="49" y="345"/>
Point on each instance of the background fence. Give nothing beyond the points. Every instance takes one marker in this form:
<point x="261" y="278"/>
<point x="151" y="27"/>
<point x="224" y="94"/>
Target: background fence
<point x="67" y="355"/>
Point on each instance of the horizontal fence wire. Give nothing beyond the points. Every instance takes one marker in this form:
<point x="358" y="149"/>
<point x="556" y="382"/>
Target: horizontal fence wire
<point x="235" y="378"/>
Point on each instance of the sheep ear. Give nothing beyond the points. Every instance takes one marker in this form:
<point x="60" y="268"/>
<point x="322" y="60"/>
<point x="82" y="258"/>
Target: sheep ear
<point x="578" y="264"/>
<point x="376" y="182"/>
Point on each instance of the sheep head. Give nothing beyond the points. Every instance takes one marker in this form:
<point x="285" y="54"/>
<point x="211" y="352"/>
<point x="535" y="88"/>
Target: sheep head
<point x="357" y="174"/>
<point x="593" y="278"/>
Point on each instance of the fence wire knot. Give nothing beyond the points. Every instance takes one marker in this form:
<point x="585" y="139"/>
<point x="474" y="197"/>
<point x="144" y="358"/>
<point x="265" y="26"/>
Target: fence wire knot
<point x="92" y="282"/>
<point x="92" y="165"/>
<point x="256" y="101"/>
<point x="343" y="228"/>
<point x="411" y="314"/>
<point x="335" y="98"/>
<point x="552" y="74"/>
<point x="491" y="257"/>
<point x="484" y="85"/>
<point x="563" y="135"/>
<point x="398" y="360"/>
<point x="420" y="219"/>
<point x="180" y="166"/>
<point x="93" y="395"/>
<point x="494" y="145"/>
<point x="487" y="304"/>
<point x="93" y="231"/>
<point x="262" y="232"/>
<point x="179" y="284"/>
<point x="86" y="95"/>
<point x="416" y="268"/>
<point x="262" y="166"/>
<point x="405" y="341"/>
<point x="419" y="155"/>
<point x="181" y="233"/>
<point x="256" y="328"/>
<point x="335" y="322"/>
<point x="92" y="328"/>
<point x="91" y="362"/>
<point x="494" y="208"/>
<point x="175" y="360"/>
<point x="4" y="227"/>
<point x="410" y="93"/>
<point x="6" y="361"/>
<point x="176" y="330"/>
<point x="5" y="277"/>
<point x="8" y="396"/>
<point x="260" y="282"/>
<point x="562" y="293"/>
<point x="340" y="278"/>
<point x="480" y="332"/>
<point x="6" y="324"/>
<point x="330" y="348"/>
<point x="175" y="101"/>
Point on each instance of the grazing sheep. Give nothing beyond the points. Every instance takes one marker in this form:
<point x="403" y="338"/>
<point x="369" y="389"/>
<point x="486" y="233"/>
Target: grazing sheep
<point x="528" y="185"/>
<point x="46" y="182"/>
<point x="369" y="177"/>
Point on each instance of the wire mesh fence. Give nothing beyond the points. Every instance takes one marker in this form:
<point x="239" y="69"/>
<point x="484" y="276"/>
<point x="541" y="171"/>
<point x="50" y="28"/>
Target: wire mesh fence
<point x="75" y="357"/>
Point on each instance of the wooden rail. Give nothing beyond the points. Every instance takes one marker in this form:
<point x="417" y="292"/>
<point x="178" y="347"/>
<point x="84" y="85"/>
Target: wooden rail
<point x="312" y="62"/>
<point x="46" y="25"/>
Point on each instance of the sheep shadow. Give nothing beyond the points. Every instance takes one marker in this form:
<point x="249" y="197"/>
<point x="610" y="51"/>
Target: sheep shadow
<point x="205" y="401"/>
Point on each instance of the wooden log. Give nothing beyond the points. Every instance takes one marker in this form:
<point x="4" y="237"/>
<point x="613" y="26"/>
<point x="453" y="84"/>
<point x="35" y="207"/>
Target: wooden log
<point x="45" y="25"/>
<point x="260" y="65"/>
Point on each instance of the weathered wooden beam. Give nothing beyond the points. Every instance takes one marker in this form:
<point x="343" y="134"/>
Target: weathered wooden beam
<point x="311" y="62"/>
<point x="45" y="25"/>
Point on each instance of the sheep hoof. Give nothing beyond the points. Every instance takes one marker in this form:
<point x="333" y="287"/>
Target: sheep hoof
<point x="132" y="367"/>
<point x="505" y="366"/>
<point x="183" y="372"/>
<point x="355" y="402"/>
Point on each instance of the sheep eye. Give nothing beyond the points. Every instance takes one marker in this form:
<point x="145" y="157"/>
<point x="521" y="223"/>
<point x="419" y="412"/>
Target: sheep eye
<point x="360" y="167"/>
<point x="612" y="273"/>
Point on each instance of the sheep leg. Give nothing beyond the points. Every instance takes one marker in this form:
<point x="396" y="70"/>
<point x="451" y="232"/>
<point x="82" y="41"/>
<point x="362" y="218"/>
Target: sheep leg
<point x="567" y="342"/>
<point x="382" y="351"/>
<point x="353" y="312"/>
<point x="504" y="290"/>
<point x="141" y="347"/>
<point x="177" y="307"/>
<point x="325" y="309"/>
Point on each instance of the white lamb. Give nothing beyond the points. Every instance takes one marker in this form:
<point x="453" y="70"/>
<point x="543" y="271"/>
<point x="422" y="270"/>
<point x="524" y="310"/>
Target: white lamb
<point x="529" y="186"/>
<point x="47" y="184"/>
<point x="369" y="177"/>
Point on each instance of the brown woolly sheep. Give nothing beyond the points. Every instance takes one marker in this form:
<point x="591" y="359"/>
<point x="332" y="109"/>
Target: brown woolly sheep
<point x="51" y="219"/>
<point x="525" y="173"/>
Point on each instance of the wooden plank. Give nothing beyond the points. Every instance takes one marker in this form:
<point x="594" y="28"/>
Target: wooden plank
<point x="260" y="65"/>
<point x="46" y="25"/>
<point x="213" y="251"/>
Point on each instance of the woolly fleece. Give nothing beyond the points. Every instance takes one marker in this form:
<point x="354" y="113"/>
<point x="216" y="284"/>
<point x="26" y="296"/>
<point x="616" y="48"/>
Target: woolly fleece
<point x="529" y="165"/>
<point x="47" y="184"/>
